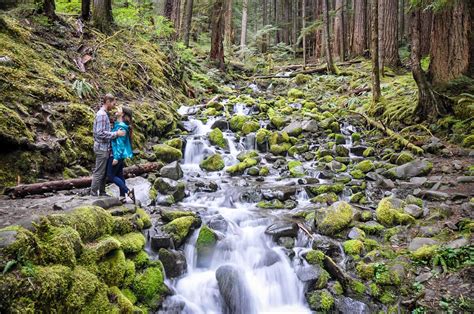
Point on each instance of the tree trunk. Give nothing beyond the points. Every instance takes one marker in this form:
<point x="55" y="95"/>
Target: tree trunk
<point x="374" y="52"/>
<point x="388" y="16"/>
<point x="217" y="34"/>
<point x="327" y="42"/>
<point x="425" y="40"/>
<point x="49" y="8"/>
<point x="319" y="51"/>
<point x="228" y="29"/>
<point x="58" y="185"/>
<point x="264" y="22"/>
<point x="450" y="45"/>
<point x="401" y="22"/>
<point x="339" y="39"/>
<point x="102" y="14"/>
<point x="359" y="44"/>
<point x="303" y="25"/>
<point x="243" y="33"/>
<point x="430" y="105"/>
<point x="176" y="16"/>
<point x="188" y="16"/>
<point x="86" y="10"/>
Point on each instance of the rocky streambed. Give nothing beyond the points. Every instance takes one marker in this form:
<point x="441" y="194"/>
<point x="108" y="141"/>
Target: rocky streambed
<point x="264" y="204"/>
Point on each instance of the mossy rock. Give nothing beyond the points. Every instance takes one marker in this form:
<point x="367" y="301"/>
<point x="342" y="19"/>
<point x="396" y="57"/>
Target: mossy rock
<point x="99" y="302"/>
<point x="18" y="243"/>
<point x="13" y="128"/>
<point x="175" y="143"/>
<point x="315" y="257"/>
<point x="51" y="287"/>
<point x="262" y="136"/>
<point x="247" y="154"/>
<point x="365" y="166"/>
<point x="103" y="246"/>
<point x="167" y="153"/>
<point x="123" y="303"/>
<point x="301" y="79"/>
<point x="295" y="93"/>
<point x="149" y="286"/>
<point x="59" y="245"/>
<point x="369" y="151"/>
<point x="335" y="218"/>
<point x="404" y="157"/>
<point x="216" y="137"/>
<point x="205" y="242"/>
<point x="468" y="141"/>
<point x="84" y="286"/>
<point x="325" y="198"/>
<point x="296" y="168"/>
<point x="112" y="268"/>
<point x="170" y="215"/>
<point x="264" y="171"/>
<point x="180" y="228"/>
<point x="141" y="260"/>
<point x="278" y="121"/>
<point x="273" y="204"/>
<point x="90" y="221"/>
<point x="240" y="167"/>
<point x="320" y="300"/>
<point x="237" y="122"/>
<point x="144" y="217"/>
<point x="280" y="149"/>
<point x="353" y="247"/>
<point x="213" y="163"/>
<point x="325" y="188"/>
<point x="390" y="212"/>
<point x="250" y="127"/>
<point x="132" y="242"/>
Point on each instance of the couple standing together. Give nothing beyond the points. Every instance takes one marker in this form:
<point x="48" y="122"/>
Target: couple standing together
<point x="111" y="147"/>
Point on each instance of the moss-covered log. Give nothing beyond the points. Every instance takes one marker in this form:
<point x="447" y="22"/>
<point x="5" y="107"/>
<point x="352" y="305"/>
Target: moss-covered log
<point x="38" y="188"/>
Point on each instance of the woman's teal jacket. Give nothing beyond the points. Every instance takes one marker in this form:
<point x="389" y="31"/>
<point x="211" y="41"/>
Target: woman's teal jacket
<point x="121" y="146"/>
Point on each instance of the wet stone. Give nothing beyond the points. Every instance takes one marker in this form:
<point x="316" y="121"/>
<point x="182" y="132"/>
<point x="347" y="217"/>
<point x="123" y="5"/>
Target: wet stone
<point x="429" y="231"/>
<point x="282" y="229"/>
<point x="280" y="193"/>
<point x="218" y="223"/>
<point x="174" y="262"/>
<point x="417" y="243"/>
<point x="172" y="171"/>
<point x="308" y="274"/>
<point x="413" y="210"/>
<point x="107" y="202"/>
<point x="423" y="277"/>
<point x="434" y="195"/>
<point x="161" y="240"/>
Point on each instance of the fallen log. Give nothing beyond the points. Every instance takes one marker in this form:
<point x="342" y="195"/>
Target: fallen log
<point x="299" y="66"/>
<point x="403" y="141"/>
<point x="58" y="185"/>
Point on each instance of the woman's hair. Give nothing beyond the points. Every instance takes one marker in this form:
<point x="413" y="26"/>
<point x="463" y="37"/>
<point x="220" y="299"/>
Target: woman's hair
<point x="128" y="119"/>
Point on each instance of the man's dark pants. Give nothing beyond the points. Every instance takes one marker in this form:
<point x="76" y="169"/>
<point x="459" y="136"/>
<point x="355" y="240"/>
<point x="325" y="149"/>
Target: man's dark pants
<point x="100" y="172"/>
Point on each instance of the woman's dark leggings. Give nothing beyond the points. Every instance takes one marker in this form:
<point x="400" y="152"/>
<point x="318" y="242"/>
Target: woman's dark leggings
<point x="115" y="174"/>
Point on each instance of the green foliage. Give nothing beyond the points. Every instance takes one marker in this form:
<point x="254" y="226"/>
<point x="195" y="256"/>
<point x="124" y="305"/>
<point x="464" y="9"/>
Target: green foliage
<point x="82" y="88"/>
<point x="452" y="259"/>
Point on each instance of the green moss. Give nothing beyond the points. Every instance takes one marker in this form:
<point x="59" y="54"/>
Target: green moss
<point x="414" y="200"/>
<point x="322" y="280"/>
<point x="99" y="302"/>
<point x="295" y="93"/>
<point x="357" y="286"/>
<point x="273" y="204"/>
<point x="320" y="300"/>
<point x="327" y="198"/>
<point x="12" y="127"/>
<point x="365" y="166"/>
<point x="145" y="218"/>
<point x="404" y="157"/>
<point x="326" y="188"/>
<point x="387" y="297"/>
<point x="129" y="295"/>
<point x="278" y="121"/>
<point x="371" y="227"/>
<point x="90" y="221"/>
<point x="237" y="122"/>
<point x="262" y="136"/>
<point x="176" y="143"/>
<point x="365" y="271"/>
<point x="389" y="215"/>
<point x="250" y="126"/>
<point x="84" y="285"/>
<point x="112" y="268"/>
<point x="296" y="168"/>
<point x="355" y="137"/>
<point x="240" y="167"/>
<point x="167" y="153"/>
<point x="247" y="154"/>
<point x="213" y="163"/>
<point x="371" y="244"/>
<point x="51" y="286"/>
<point x="468" y="141"/>
<point x="333" y="219"/>
<point x="149" y="285"/>
<point x="18" y="244"/>
<point x="123" y="303"/>
<point x="206" y="240"/>
<point x="301" y="79"/>
<point x="179" y="228"/>
<point x="170" y="215"/>
<point x="369" y="151"/>
<point x="315" y="257"/>
<point x="426" y="252"/>
<point x="216" y="137"/>
<point x="338" y="289"/>
<point x="264" y="171"/>
<point x="141" y="260"/>
<point x="60" y="245"/>
<point x="22" y="305"/>
<point x="131" y="242"/>
<point x="374" y="290"/>
<point x="353" y="247"/>
<point x="357" y="174"/>
<point x="280" y="149"/>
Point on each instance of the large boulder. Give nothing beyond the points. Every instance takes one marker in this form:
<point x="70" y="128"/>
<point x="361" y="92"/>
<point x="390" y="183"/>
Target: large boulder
<point x="232" y="287"/>
<point x="282" y="229"/>
<point x="205" y="245"/>
<point x="172" y="171"/>
<point x="167" y="153"/>
<point x="294" y="128"/>
<point x="409" y="170"/>
<point x="334" y="218"/>
<point x="212" y="163"/>
<point x="167" y="186"/>
<point x="181" y="228"/>
<point x="390" y="212"/>
<point x="174" y="262"/>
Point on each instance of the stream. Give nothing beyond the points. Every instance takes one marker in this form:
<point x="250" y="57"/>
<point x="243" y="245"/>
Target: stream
<point x="261" y="271"/>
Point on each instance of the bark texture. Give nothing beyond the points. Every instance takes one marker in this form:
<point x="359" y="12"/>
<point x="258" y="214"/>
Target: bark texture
<point x="374" y="52"/>
<point x="388" y="19"/>
<point x="86" y="10"/>
<point x="217" y="34"/>
<point x="359" y="44"/>
<point x="339" y="35"/>
<point x="327" y="42"/>
<point x="102" y="14"/>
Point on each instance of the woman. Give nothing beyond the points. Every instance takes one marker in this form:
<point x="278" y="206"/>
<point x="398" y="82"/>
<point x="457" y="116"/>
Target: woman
<point x="121" y="150"/>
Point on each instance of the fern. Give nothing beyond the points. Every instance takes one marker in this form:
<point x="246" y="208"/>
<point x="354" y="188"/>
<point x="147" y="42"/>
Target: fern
<point x="82" y="88"/>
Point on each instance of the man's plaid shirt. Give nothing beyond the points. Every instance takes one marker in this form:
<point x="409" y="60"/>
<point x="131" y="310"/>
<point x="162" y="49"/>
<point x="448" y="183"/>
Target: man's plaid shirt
<point x="102" y="133"/>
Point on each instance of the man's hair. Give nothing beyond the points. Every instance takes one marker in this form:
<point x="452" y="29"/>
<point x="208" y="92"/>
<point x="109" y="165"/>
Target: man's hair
<point x="108" y="97"/>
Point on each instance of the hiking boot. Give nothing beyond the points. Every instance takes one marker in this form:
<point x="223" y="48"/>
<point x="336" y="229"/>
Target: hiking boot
<point x="131" y="194"/>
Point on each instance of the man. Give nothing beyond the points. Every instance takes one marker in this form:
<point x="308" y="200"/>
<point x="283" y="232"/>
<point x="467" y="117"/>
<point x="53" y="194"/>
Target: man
<point x="102" y="138"/>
